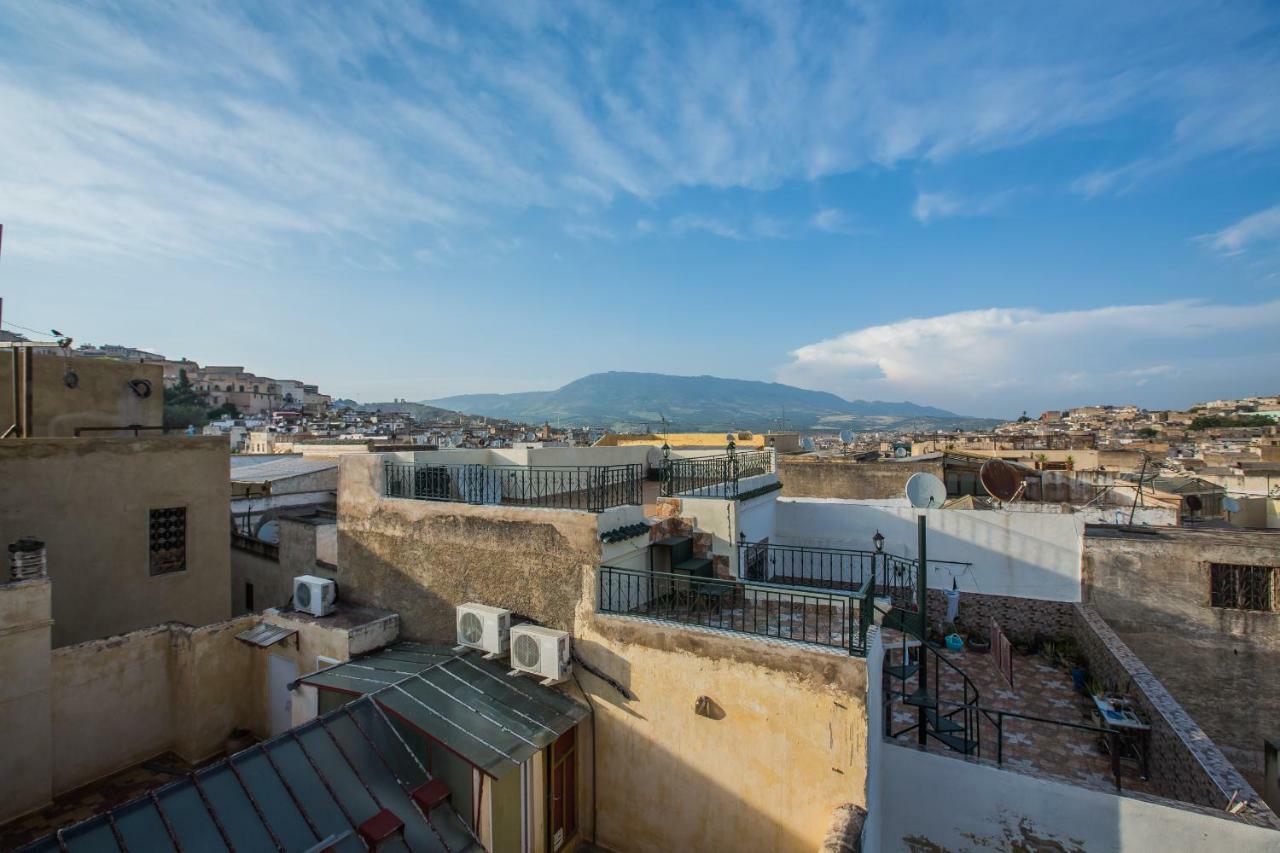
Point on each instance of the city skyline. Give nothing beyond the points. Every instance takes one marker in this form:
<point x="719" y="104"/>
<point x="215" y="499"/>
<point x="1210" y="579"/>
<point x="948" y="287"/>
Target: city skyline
<point x="983" y="211"/>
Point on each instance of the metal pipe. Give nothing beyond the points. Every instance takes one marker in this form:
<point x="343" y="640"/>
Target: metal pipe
<point x="29" y="381"/>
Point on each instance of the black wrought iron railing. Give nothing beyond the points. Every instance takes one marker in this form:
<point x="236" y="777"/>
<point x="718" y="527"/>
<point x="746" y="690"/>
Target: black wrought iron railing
<point x="714" y="476"/>
<point x="592" y="488"/>
<point x="827" y="618"/>
<point x="833" y="568"/>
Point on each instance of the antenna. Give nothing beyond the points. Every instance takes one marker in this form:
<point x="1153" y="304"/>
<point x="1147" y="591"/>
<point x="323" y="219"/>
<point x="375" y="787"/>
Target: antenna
<point x="1002" y="480"/>
<point x="924" y="490"/>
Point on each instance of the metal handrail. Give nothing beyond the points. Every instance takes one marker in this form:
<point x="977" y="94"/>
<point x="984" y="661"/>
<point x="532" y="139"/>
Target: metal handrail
<point x="593" y="488"/>
<point x="715" y="475"/>
<point x="699" y="600"/>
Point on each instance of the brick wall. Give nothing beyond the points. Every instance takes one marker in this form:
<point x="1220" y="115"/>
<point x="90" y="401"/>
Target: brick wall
<point x="1018" y="617"/>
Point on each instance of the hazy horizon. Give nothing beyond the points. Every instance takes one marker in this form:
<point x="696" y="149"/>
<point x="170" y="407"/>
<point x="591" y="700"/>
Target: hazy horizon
<point x="981" y="209"/>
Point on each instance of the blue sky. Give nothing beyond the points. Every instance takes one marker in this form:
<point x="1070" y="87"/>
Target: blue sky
<point x="981" y="207"/>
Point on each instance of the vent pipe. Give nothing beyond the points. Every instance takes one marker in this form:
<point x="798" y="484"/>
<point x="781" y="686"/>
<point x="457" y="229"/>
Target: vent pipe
<point x="27" y="560"/>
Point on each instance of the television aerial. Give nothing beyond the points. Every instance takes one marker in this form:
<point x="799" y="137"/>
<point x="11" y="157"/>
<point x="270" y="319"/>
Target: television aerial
<point x="1002" y="480"/>
<point x="925" y="491"/>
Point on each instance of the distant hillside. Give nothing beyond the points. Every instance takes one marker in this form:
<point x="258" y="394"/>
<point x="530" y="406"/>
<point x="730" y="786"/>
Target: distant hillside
<point x="420" y="411"/>
<point x="630" y="400"/>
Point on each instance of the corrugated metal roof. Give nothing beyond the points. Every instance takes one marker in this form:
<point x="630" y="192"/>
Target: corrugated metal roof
<point x="310" y="788"/>
<point x="494" y="720"/>
<point x="262" y="469"/>
<point x="265" y="634"/>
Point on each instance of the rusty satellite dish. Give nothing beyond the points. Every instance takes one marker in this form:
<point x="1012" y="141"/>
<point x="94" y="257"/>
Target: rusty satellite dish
<point x="1002" y="480"/>
<point x="924" y="490"/>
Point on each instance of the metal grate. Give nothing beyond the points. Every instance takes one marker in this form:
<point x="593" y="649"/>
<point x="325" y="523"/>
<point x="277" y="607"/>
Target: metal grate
<point x="168" y="544"/>
<point x="1239" y="587"/>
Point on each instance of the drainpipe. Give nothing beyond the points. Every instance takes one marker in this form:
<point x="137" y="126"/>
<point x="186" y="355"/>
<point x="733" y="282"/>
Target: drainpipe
<point x="922" y="604"/>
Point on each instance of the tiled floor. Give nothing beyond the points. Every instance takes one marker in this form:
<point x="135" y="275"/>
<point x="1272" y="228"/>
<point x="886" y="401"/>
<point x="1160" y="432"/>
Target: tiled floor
<point x="1040" y="690"/>
<point x="87" y="801"/>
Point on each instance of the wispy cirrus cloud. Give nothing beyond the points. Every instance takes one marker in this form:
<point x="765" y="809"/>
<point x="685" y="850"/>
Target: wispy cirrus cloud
<point x="1260" y="227"/>
<point x="1008" y="359"/>
<point x="216" y="131"/>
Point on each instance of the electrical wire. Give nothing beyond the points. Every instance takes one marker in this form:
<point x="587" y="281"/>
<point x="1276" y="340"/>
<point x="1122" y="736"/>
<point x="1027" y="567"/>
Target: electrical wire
<point x="23" y="328"/>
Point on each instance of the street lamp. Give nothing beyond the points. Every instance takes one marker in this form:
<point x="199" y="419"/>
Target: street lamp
<point x="878" y="541"/>
<point x="730" y="447"/>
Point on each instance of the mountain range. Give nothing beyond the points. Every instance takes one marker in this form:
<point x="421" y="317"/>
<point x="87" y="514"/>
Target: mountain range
<point x="632" y="401"/>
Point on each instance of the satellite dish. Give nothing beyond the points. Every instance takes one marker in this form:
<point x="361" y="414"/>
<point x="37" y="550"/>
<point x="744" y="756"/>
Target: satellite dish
<point x="846" y="436"/>
<point x="806" y="443"/>
<point x="1001" y="480"/>
<point x="924" y="490"/>
<point x="1231" y="504"/>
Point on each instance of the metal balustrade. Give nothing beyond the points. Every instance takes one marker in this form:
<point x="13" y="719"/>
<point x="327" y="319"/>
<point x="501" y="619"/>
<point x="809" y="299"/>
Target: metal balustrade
<point x="827" y="618"/>
<point x="714" y="476"/>
<point x="591" y="488"/>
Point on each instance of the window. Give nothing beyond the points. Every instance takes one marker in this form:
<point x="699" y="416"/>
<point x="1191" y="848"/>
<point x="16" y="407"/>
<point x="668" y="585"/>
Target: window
<point x="1241" y="587"/>
<point x="168" y="540"/>
<point x="248" y="596"/>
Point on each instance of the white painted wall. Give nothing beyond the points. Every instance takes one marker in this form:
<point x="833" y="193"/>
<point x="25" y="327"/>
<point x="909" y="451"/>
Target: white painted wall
<point x="872" y="829"/>
<point x="1025" y="555"/>
<point x="941" y="802"/>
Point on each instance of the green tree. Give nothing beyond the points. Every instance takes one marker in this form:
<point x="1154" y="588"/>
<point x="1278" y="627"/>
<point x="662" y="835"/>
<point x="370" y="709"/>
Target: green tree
<point x="1148" y="432"/>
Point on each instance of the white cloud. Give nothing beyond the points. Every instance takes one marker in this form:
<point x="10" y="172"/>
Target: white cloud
<point x="1263" y="226"/>
<point x="1002" y="360"/>
<point x="931" y="206"/>
<point x="214" y="133"/>
<point x="834" y="221"/>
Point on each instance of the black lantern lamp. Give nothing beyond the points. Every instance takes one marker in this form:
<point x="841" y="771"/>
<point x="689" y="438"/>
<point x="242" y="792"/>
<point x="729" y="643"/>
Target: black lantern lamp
<point x="666" y="452"/>
<point x="730" y="447"/>
<point x="878" y="541"/>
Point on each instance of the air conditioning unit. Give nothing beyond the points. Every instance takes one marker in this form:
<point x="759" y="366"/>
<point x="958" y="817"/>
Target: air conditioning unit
<point x="483" y="627"/>
<point x="540" y="651"/>
<point x="314" y="595"/>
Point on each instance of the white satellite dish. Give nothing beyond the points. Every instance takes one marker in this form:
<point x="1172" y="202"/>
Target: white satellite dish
<point x="1231" y="504"/>
<point x="806" y="444"/>
<point x="846" y="436"/>
<point x="924" y="490"/>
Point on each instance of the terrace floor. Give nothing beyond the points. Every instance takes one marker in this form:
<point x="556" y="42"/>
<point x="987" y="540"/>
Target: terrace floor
<point x="88" y="800"/>
<point x="788" y="617"/>
<point x="1039" y="689"/>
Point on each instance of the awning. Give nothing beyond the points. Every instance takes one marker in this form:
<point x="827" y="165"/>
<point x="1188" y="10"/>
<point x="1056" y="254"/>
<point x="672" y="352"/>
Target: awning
<point x="311" y="788"/>
<point x="265" y="634"/>
<point x="472" y="706"/>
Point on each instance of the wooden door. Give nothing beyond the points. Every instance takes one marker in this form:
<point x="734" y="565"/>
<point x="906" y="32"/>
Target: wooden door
<point x="564" y="790"/>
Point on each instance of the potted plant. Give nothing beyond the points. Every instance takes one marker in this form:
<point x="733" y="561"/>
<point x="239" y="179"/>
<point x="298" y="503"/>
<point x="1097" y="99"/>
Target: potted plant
<point x="979" y="643"/>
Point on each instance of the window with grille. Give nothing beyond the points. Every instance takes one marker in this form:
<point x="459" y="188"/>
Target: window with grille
<point x="168" y="540"/>
<point x="1241" y="587"/>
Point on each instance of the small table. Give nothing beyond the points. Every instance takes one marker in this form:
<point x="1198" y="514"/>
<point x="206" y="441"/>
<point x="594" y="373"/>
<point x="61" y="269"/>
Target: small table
<point x="1124" y="730"/>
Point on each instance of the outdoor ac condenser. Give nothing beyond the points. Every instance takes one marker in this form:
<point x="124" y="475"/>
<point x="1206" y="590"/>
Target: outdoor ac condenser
<point x="314" y="595"/>
<point x="540" y="651"/>
<point x="483" y="627"/>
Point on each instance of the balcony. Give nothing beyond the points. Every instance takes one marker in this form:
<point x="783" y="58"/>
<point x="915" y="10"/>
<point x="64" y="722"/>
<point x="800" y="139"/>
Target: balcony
<point x="717" y="476"/>
<point x="587" y="488"/>
<point x="835" y="619"/>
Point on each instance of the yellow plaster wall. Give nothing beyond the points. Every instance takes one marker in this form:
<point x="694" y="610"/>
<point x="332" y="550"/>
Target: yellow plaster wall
<point x="786" y="743"/>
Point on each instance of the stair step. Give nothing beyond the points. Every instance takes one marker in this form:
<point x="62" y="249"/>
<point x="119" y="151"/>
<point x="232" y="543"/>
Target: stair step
<point x="920" y="700"/>
<point x="902" y="672"/>
<point x="942" y="724"/>
<point x="959" y="744"/>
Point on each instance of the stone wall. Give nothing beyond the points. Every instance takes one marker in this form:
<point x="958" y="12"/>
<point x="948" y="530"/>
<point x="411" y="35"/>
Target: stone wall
<point x="1152" y="588"/>
<point x="101" y="396"/>
<point x="1185" y="763"/>
<point x="827" y="477"/>
<point x="423" y="558"/>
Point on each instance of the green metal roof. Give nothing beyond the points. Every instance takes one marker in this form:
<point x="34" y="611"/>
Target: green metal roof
<point x="474" y="707"/>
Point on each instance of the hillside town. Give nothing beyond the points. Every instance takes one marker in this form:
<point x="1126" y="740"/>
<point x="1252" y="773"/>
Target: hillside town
<point x="350" y="628"/>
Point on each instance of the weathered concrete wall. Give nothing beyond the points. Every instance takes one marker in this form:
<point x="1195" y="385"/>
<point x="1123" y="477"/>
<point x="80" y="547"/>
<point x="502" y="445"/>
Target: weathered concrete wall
<point x="1026" y="555"/>
<point x="102" y="396"/>
<point x="825" y="477"/>
<point x="423" y="558"/>
<point x="782" y="745"/>
<point x="1185" y="764"/>
<point x="1221" y="665"/>
<point x="89" y="499"/>
<point x="25" y="680"/>
<point x="271" y="586"/>
<point x="937" y="802"/>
